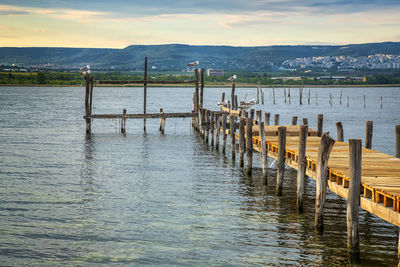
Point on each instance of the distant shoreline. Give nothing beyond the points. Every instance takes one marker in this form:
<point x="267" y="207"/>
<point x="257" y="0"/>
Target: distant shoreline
<point x="209" y="85"/>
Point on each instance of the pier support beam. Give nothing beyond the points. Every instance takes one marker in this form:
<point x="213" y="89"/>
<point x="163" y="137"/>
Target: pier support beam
<point x="324" y="152"/>
<point x="339" y="128"/>
<point x="280" y="162"/>
<point x="249" y="145"/>
<point x="232" y="134"/>
<point x="267" y="117"/>
<point x="305" y="121"/>
<point x="264" y="152"/>
<point x="397" y="142"/>
<point x="368" y="134"/>
<point x="224" y="133"/>
<point x="217" y="130"/>
<point x="320" y="124"/>
<point x="353" y="200"/>
<point x="302" y="164"/>
<point x="294" y="120"/>
<point x="123" y="121"/>
<point x="201" y="87"/>
<point x="212" y="122"/>
<point x="276" y="119"/>
<point x="241" y="141"/>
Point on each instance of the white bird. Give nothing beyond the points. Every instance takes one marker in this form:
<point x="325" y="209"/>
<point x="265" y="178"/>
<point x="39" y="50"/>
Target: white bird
<point x="193" y="64"/>
<point x="85" y="70"/>
<point x="232" y="79"/>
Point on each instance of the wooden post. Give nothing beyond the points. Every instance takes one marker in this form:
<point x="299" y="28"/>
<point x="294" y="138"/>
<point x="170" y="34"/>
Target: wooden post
<point x="212" y="120"/>
<point x="397" y="134"/>
<point x="123" y="121"/>
<point x="87" y="105"/>
<point x="196" y="88"/>
<point x="249" y="146"/>
<point x="305" y="121"/>
<point x="280" y="162"/>
<point x="223" y="97"/>
<point x="145" y="92"/>
<point x="381" y="102"/>
<point x="324" y="151"/>
<point x="91" y="95"/>
<point x="162" y="122"/>
<point x="252" y="114"/>
<point x="217" y="130"/>
<point x="353" y="200"/>
<point x="340" y="98"/>
<point x="232" y="134"/>
<point x="229" y="104"/>
<point x="309" y="96"/>
<point x="201" y="86"/>
<point x="242" y="141"/>
<point x="263" y="153"/>
<point x="348" y="101"/>
<point x="364" y="101"/>
<point x="276" y="119"/>
<point x="302" y="165"/>
<point x="267" y="116"/>
<point x="223" y="133"/>
<point x="273" y="95"/>
<point x="339" y="128"/>
<point x="233" y="96"/>
<point x="204" y="122"/>
<point x="201" y="119"/>
<point x="316" y="98"/>
<point x="320" y="123"/>
<point x="258" y="116"/>
<point x="284" y="93"/>
<point x="301" y="95"/>
<point x="207" y="127"/>
<point x="294" y="120"/>
<point x="289" y="96"/>
<point x="236" y="102"/>
<point x="368" y="134"/>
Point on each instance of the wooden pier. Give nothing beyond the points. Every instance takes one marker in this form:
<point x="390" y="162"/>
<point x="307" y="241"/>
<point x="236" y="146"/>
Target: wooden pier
<point x="366" y="178"/>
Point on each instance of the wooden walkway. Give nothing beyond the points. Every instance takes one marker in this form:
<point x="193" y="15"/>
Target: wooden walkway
<point x="380" y="177"/>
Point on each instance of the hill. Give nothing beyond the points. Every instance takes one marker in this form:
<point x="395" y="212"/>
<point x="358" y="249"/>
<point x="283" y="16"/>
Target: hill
<point x="176" y="56"/>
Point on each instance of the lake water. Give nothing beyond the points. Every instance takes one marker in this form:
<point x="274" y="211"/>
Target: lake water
<point x="147" y="199"/>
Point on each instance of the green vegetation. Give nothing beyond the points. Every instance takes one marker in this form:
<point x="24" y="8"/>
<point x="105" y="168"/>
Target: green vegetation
<point x="67" y="78"/>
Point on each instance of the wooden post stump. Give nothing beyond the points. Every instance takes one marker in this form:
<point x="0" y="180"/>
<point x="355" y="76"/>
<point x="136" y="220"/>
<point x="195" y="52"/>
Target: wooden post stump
<point x="353" y="200"/>
<point x="276" y="119"/>
<point x="280" y="162"/>
<point x="320" y="123"/>
<point x="123" y="121"/>
<point x="233" y="96"/>
<point x="397" y="142"/>
<point x="302" y="165"/>
<point x="242" y="141"/>
<point x="232" y="134"/>
<point x="258" y="116"/>
<point x="217" y="130"/>
<point x="294" y="120"/>
<point x="368" y="134"/>
<point x="305" y="121"/>
<point x="339" y="128"/>
<point x="162" y="122"/>
<point x="249" y="146"/>
<point x="252" y="113"/>
<point x="201" y="86"/>
<point x="207" y="127"/>
<point x="324" y="152"/>
<point x="267" y="116"/>
<point x="212" y="127"/>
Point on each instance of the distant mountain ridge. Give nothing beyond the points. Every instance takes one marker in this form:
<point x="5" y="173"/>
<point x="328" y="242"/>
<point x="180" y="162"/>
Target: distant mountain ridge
<point x="176" y="56"/>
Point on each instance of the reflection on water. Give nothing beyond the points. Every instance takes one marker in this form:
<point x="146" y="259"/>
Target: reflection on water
<point x="152" y="199"/>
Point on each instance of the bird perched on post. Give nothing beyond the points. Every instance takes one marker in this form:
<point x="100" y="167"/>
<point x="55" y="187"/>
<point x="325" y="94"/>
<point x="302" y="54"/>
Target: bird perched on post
<point x="85" y="70"/>
<point x="232" y="79"/>
<point x="193" y="64"/>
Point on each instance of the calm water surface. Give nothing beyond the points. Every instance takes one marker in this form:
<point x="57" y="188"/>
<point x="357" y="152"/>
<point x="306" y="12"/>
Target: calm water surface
<point x="147" y="199"/>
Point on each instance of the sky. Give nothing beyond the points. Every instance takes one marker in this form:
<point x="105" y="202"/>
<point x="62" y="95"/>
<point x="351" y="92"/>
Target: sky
<point x="120" y="23"/>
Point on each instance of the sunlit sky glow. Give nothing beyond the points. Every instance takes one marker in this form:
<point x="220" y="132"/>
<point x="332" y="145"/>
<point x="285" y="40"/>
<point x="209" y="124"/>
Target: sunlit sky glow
<point x="119" y="23"/>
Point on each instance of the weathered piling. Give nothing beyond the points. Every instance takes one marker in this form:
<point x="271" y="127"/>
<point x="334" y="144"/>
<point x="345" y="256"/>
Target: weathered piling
<point x="340" y="97"/>
<point x="223" y="97"/>
<point x="201" y="86"/>
<point x="348" y="101"/>
<point x="145" y="92"/>
<point x="294" y="120"/>
<point x="267" y="117"/>
<point x="252" y="114"/>
<point x="324" y="151"/>
<point x="223" y="133"/>
<point x="249" y="146"/>
<point x="264" y="152"/>
<point x="232" y="134"/>
<point x="381" y="101"/>
<point x="339" y="128"/>
<point x="273" y="95"/>
<point x="258" y="116"/>
<point x="280" y="162"/>
<point x="320" y="124"/>
<point x="309" y="97"/>
<point x="233" y="95"/>
<point x="284" y="94"/>
<point x="162" y="122"/>
<point x="212" y="122"/>
<point x="397" y="140"/>
<point x="242" y="141"/>
<point x="236" y="102"/>
<point x="302" y="164"/>
<point x="316" y="98"/>
<point x="229" y="104"/>
<point x="289" y="96"/>
<point x="207" y="127"/>
<point x="353" y="200"/>
<point x="305" y="121"/>
<point x="368" y="134"/>
<point x="123" y="121"/>
<point x="217" y="130"/>
<point x="301" y="95"/>
<point x="87" y="105"/>
<point x="364" y="101"/>
<point x="276" y="119"/>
